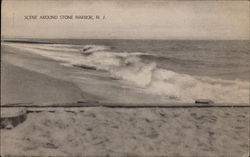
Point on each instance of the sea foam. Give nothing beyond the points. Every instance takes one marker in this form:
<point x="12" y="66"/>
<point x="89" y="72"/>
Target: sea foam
<point x="145" y="76"/>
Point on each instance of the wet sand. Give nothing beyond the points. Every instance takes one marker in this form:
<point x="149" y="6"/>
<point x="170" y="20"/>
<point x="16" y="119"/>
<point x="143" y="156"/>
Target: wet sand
<point x="30" y="78"/>
<point x="19" y="85"/>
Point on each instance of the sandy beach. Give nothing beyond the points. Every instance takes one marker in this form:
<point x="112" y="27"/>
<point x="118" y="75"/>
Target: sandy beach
<point x="24" y="86"/>
<point x="113" y="78"/>
<point x="101" y="131"/>
<point x="23" y="80"/>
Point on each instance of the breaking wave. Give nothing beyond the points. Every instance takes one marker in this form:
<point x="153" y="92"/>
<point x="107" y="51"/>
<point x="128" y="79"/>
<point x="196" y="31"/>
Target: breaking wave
<point x="145" y="76"/>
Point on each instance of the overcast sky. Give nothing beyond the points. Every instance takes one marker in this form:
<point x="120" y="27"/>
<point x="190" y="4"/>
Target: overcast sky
<point x="142" y="19"/>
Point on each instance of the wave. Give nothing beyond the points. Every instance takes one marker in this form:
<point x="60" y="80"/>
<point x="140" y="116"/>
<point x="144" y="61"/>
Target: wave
<point x="94" y="48"/>
<point x="143" y="75"/>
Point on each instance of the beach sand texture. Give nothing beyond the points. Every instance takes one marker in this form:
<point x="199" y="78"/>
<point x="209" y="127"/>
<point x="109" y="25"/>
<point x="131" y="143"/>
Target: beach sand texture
<point x="130" y="132"/>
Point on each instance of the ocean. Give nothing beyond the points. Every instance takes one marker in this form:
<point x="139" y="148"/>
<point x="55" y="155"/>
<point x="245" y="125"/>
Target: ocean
<point x="152" y="70"/>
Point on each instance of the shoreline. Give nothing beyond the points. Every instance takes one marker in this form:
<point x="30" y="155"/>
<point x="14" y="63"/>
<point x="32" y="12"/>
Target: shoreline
<point x="94" y="131"/>
<point x="40" y="80"/>
<point x="20" y="85"/>
<point x="96" y="86"/>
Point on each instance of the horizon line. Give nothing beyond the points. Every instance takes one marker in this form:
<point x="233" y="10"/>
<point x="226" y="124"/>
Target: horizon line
<point x="23" y="38"/>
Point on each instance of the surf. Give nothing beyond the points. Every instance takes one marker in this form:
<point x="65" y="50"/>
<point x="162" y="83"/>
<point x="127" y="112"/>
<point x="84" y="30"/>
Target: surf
<point x="143" y="75"/>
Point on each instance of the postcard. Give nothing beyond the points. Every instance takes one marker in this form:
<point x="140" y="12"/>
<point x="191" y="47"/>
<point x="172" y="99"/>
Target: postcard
<point x="125" y="78"/>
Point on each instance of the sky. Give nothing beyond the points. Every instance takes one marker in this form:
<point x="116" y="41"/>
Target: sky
<point x="140" y="19"/>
